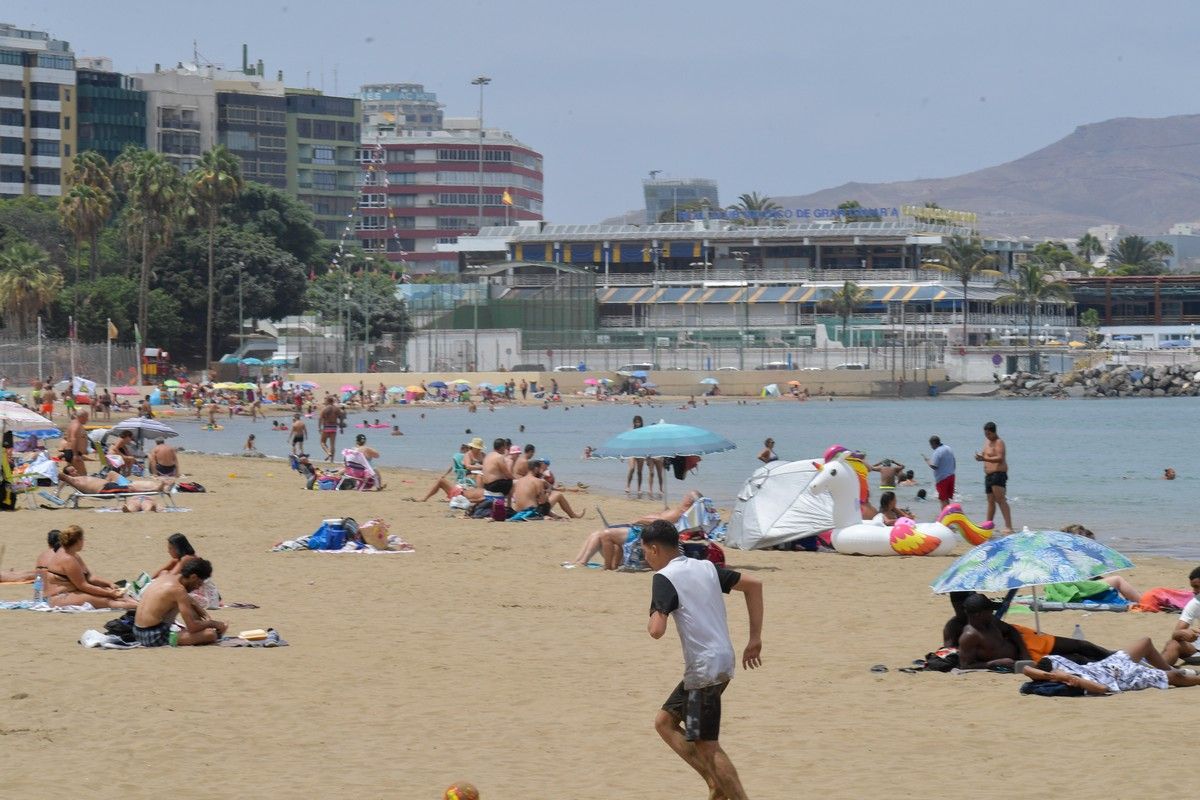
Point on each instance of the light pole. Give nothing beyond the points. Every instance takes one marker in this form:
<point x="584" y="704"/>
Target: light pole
<point x="367" y="312"/>
<point x="241" y="315"/>
<point x="481" y="82"/>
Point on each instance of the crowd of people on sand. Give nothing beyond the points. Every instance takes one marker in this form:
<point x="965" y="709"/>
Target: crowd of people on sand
<point x="179" y="594"/>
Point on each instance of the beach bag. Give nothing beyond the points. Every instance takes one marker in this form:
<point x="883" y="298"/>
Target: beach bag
<point x="330" y="536"/>
<point x="190" y="486"/>
<point x="121" y="627"/>
<point x="460" y="502"/>
<point x="499" y="510"/>
<point x="943" y="660"/>
<point x="1051" y="689"/>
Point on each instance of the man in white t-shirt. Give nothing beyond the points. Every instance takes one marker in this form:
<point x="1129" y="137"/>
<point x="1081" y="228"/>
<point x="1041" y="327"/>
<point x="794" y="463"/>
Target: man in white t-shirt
<point x="690" y="590"/>
<point x="1185" y="640"/>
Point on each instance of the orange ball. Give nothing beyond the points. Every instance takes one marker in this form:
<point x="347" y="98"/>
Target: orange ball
<point x="461" y="790"/>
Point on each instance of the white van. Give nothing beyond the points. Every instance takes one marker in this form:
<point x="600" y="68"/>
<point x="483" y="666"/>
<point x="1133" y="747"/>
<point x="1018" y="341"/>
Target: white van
<point x="629" y="369"/>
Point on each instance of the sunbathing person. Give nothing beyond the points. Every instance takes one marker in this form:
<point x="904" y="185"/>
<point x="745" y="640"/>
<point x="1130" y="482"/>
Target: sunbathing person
<point x="473" y="493"/>
<point x="121" y="450"/>
<point x="113" y="483"/>
<point x="181" y="552"/>
<point x="532" y="492"/>
<point x="1123" y="671"/>
<point x="70" y="583"/>
<point x="169" y="596"/>
<point x="1082" y="590"/>
<point x="497" y="472"/>
<point x="611" y="541"/>
<point x="987" y="642"/>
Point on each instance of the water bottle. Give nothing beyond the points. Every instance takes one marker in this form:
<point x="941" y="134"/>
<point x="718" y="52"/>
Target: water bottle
<point x="1078" y="632"/>
<point x="38" y="592"/>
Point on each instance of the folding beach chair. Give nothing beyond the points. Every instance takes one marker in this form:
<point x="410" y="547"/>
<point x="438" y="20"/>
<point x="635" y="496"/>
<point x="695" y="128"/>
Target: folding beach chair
<point x="358" y="473"/>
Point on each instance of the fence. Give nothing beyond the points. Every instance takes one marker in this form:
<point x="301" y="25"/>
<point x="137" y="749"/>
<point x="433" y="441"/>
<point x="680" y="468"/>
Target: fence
<point x="23" y="362"/>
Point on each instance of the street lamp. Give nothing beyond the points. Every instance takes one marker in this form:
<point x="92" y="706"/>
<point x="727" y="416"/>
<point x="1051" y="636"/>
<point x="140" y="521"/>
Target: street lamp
<point x="481" y="82"/>
<point x="367" y="311"/>
<point x="241" y="314"/>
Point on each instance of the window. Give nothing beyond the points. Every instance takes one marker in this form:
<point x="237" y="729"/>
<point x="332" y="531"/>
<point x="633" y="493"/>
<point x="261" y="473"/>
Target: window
<point x="12" y="116"/>
<point x="66" y="123"/>
<point x="323" y="129"/>
<point x="274" y="168"/>
<point x="11" y="57"/>
<point x="47" y="61"/>
<point x="239" y="140"/>
<point x="44" y="119"/>
<point x="401" y="178"/>
<point x="404" y="223"/>
<point x="399" y="156"/>
<point x="67" y="150"/>
<point x="373" y="245"/>
<point x="43" y="147"/>
<point x="402" y="200"/>
<point x="12" y="175"/>
<point x="43" y="91"/>
<point x="401" y="245"/>
<point x="374" y="201"/>
<point x="370" y="222"/>
<point x="368" y="155"/>
<point x="12" y="146"/>
<point x="444" y="154"/>
<point x="267" y="116"/>
<point x="453" y="223"/>
<point x="323" y="155"/>
<point x="467" y="199"/>
<point x="324" y="179"/>
<point x="304" y="128"/>
<point x="272" y="143"/>
<point x="347" y="132"/>
<point x="45" y="175"/>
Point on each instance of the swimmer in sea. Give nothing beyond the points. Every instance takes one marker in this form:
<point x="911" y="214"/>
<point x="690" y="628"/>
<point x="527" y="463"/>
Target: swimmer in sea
<point x="1168" y="474"/>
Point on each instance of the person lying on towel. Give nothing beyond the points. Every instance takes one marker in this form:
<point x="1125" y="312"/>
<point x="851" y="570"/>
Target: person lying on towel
<point x="1138" y="666"/>
<point x="112" y="483"/>
<point x="168" y="596"/>
<point x="988" y="643"/>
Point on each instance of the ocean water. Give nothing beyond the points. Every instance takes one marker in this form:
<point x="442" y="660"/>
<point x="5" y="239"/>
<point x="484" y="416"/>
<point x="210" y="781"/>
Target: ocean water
<point x="1095" y="462"/>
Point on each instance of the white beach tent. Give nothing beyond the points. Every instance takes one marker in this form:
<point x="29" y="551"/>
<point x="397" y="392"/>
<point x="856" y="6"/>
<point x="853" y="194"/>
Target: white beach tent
<point x="775" y="507"/>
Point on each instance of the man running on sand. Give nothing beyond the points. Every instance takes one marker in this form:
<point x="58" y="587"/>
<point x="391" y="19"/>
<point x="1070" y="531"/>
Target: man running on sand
<point x="329" y="427"/>
<point x="995" y="475"/>
<point x="167" y="596"/>
<point x="690" y="589"/>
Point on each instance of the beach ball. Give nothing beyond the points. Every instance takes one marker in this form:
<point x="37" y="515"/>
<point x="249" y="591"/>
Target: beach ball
<point x="461" y="790"/>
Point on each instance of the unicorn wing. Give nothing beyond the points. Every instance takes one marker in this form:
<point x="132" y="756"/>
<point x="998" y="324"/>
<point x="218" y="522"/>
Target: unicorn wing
<point x="906" y="540"/>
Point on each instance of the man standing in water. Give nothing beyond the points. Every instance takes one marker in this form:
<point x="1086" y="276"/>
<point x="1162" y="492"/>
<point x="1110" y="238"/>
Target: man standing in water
<point x="298" y="434"/>
<point x="329" y="427"/>
<point x="943" y="465"/>
<point x="995" y="475"/>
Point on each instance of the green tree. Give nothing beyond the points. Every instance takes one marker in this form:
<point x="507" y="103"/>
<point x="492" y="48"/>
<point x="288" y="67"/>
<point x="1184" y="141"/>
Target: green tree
<point x="89" y="169"/>
<point x="282" y="218"/>
<point x="1090" y="320"/>
<point x="35" y="219"/>
<point x="95" y="302"/>
<point x="1135" y="255"/>
<point x="28" y="284"/>
<point x="84" y="212"/>
<point x="155" y="194"/>
<point x="1060" y="256"/>
<point x="963" y="258"/>
<point x="214" y="181"/>
<point x="1030" y="284"/>
<point x="754" y="209"/>
<point x="851" y="213"/>
<point x="1089" y="247"/>
<point x="371" y="291"/>
<point x="843" y="301"/>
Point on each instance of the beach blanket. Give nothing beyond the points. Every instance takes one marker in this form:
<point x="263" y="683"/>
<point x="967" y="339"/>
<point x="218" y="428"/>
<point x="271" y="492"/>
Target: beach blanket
<point x="273" y="640"/>
<point x="111" y="510"/>
<point x="395" y="545"/>
<point x="29" y="605"/>
<point x="1163" y="599"/>
<point x="104" y="641"/>
<point x="1109" y="600"/>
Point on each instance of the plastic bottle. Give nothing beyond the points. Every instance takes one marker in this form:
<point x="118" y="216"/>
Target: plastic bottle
<point x="39" y="594"/>
<point x="1078" y="632"/>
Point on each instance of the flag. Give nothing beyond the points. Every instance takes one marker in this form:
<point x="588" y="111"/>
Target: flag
<point x="112" y="330"/>
<point x="506" y="198"/>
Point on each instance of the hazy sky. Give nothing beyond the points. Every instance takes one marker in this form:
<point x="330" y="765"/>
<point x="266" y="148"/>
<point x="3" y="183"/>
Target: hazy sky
<point x="771" y="96"/>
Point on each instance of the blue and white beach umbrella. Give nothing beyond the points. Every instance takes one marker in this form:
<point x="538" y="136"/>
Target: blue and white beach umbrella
<point x="1029" y="558"/>
<point x="252" y="362"/>
<point x="663" y="440"/>
<point x="710" y="381"/>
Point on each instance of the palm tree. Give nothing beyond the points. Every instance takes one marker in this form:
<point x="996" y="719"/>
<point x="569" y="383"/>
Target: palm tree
<point x="1135" y="255"/>
<point x="28" y="283"/>
<point x="964" y="258"/>
<point x="1033" y="283"/>
<point x="753" y="209"/>
<point x="845" y="300"/>
<point x="83" y="211"/>
<point x="155" y="193"/>
<point x="91" y="170"/>
<point x="1088" y="247"/>
<point x="214" y="181"/>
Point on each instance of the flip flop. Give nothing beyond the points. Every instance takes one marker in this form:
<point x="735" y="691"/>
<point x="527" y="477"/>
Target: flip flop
<point x="879" y="668"/>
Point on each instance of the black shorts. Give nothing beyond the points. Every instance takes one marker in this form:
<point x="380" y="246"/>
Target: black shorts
<point x="994" y="479"/>
<point x="698" y="709"/>
<point x="499" y="486"/>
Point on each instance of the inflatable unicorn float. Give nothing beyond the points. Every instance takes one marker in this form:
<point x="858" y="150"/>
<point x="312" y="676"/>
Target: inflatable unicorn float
<point x="843" y="477"/>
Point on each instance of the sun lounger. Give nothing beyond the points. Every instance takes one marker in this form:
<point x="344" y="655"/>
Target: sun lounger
<point x="72" y="500"/>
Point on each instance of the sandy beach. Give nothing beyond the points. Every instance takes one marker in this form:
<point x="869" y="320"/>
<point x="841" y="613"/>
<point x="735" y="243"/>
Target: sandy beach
<point x="477" y="657"/>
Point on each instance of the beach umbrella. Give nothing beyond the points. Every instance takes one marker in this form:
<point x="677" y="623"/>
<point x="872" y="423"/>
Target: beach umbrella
<point x="126" y="390"/>
<point x="1029" y="558"/>
<point x="606" y="381"/>
<point x="640" y="373"/>
<point x="710" y="381"/>
<point x="144" y="427"/>
<point x="395" y="390"/>
<point x="1076" y="344"/>
<point x="437" y="384"/>
<point x="591" y="381"/>
<point x="41" y="433"/>
<point x="310" y="385"/>
<point x="793" y="383"/>
<point x="277" y="361"/>
<point x="770" y="390"/>
<point x="244" y="386"/>
<point x="663" y="440"/>
<point x="16" y="417"/>
<point x="415" y="389"/>
<point x="171" y="384"/>
<point x="252" y="362"/>
<point x="348" y="388"/>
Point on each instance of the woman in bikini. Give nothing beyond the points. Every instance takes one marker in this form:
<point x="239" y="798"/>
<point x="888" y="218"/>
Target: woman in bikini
<point x="70" y="583"/>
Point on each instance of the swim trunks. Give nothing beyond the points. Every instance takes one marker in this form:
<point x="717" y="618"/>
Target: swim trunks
<point x="698" y="709"/>
<point x="499" y="486"/>
<point x="163" y="469"/>
<point x="297" y="440"/>
<point x="1039" y="645"/>
<point x="945" y="489"/>
<point x="47" y="408"/>
<point x="994" y="479"/>
<point x="329" y="429"/>
<point x="543" y="509"/>
<point x="154" y="636"/>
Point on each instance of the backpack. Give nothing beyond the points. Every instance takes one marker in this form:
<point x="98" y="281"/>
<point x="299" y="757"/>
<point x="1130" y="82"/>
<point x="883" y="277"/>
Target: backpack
<point x="943" y="660"/>
<point x="121" y="627"/>
<point x="1051" y="689"/>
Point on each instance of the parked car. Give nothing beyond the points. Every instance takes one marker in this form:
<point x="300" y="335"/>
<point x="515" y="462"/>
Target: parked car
<point x="728" y="369"/>
<point x="774" y="365"/>
<point x="529" y="368"/>
<point x="567" y="368"/>
<point x="851" y="365"/>
<point x="629" y="369"/>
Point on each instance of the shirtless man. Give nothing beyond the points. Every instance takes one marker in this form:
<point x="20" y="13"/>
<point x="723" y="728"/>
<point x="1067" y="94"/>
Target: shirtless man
<point x="497" y="474"/>
<point x="299" y="434"/>
<point x="520" y="467"/>
<point x="213" y="408"/>
<point x="77" y="444"/>
<point x="329" y="427"/>
<point x="888" y="471"/>
<point x="987" y="642"/>
<point x="48" y="398"/>
<point x="164" y="459"/>
<point x="532" y="491"/>
<point x="995" y="475"/>
<point x="167" y="596"/>
<point x="144" y="409"/>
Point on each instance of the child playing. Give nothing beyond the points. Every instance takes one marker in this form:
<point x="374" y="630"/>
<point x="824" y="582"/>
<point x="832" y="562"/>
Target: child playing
<point x="691" y="590"/>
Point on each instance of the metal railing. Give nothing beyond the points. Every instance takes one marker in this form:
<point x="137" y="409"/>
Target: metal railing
<point x="673" y="277"/>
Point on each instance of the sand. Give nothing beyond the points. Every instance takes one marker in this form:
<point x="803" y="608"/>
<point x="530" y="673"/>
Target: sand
<point x="477" y="657"/>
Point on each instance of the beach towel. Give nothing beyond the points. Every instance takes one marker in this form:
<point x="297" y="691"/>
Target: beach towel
<point x="103" y="641"/>
<point x="29" y="605"/>
<point x="1075" y="591"/>
<point x="395" y="545"/>
<point x="273" y="640"/>
<point x="1111" y="600"/>
<point x="1163" y="599"/>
